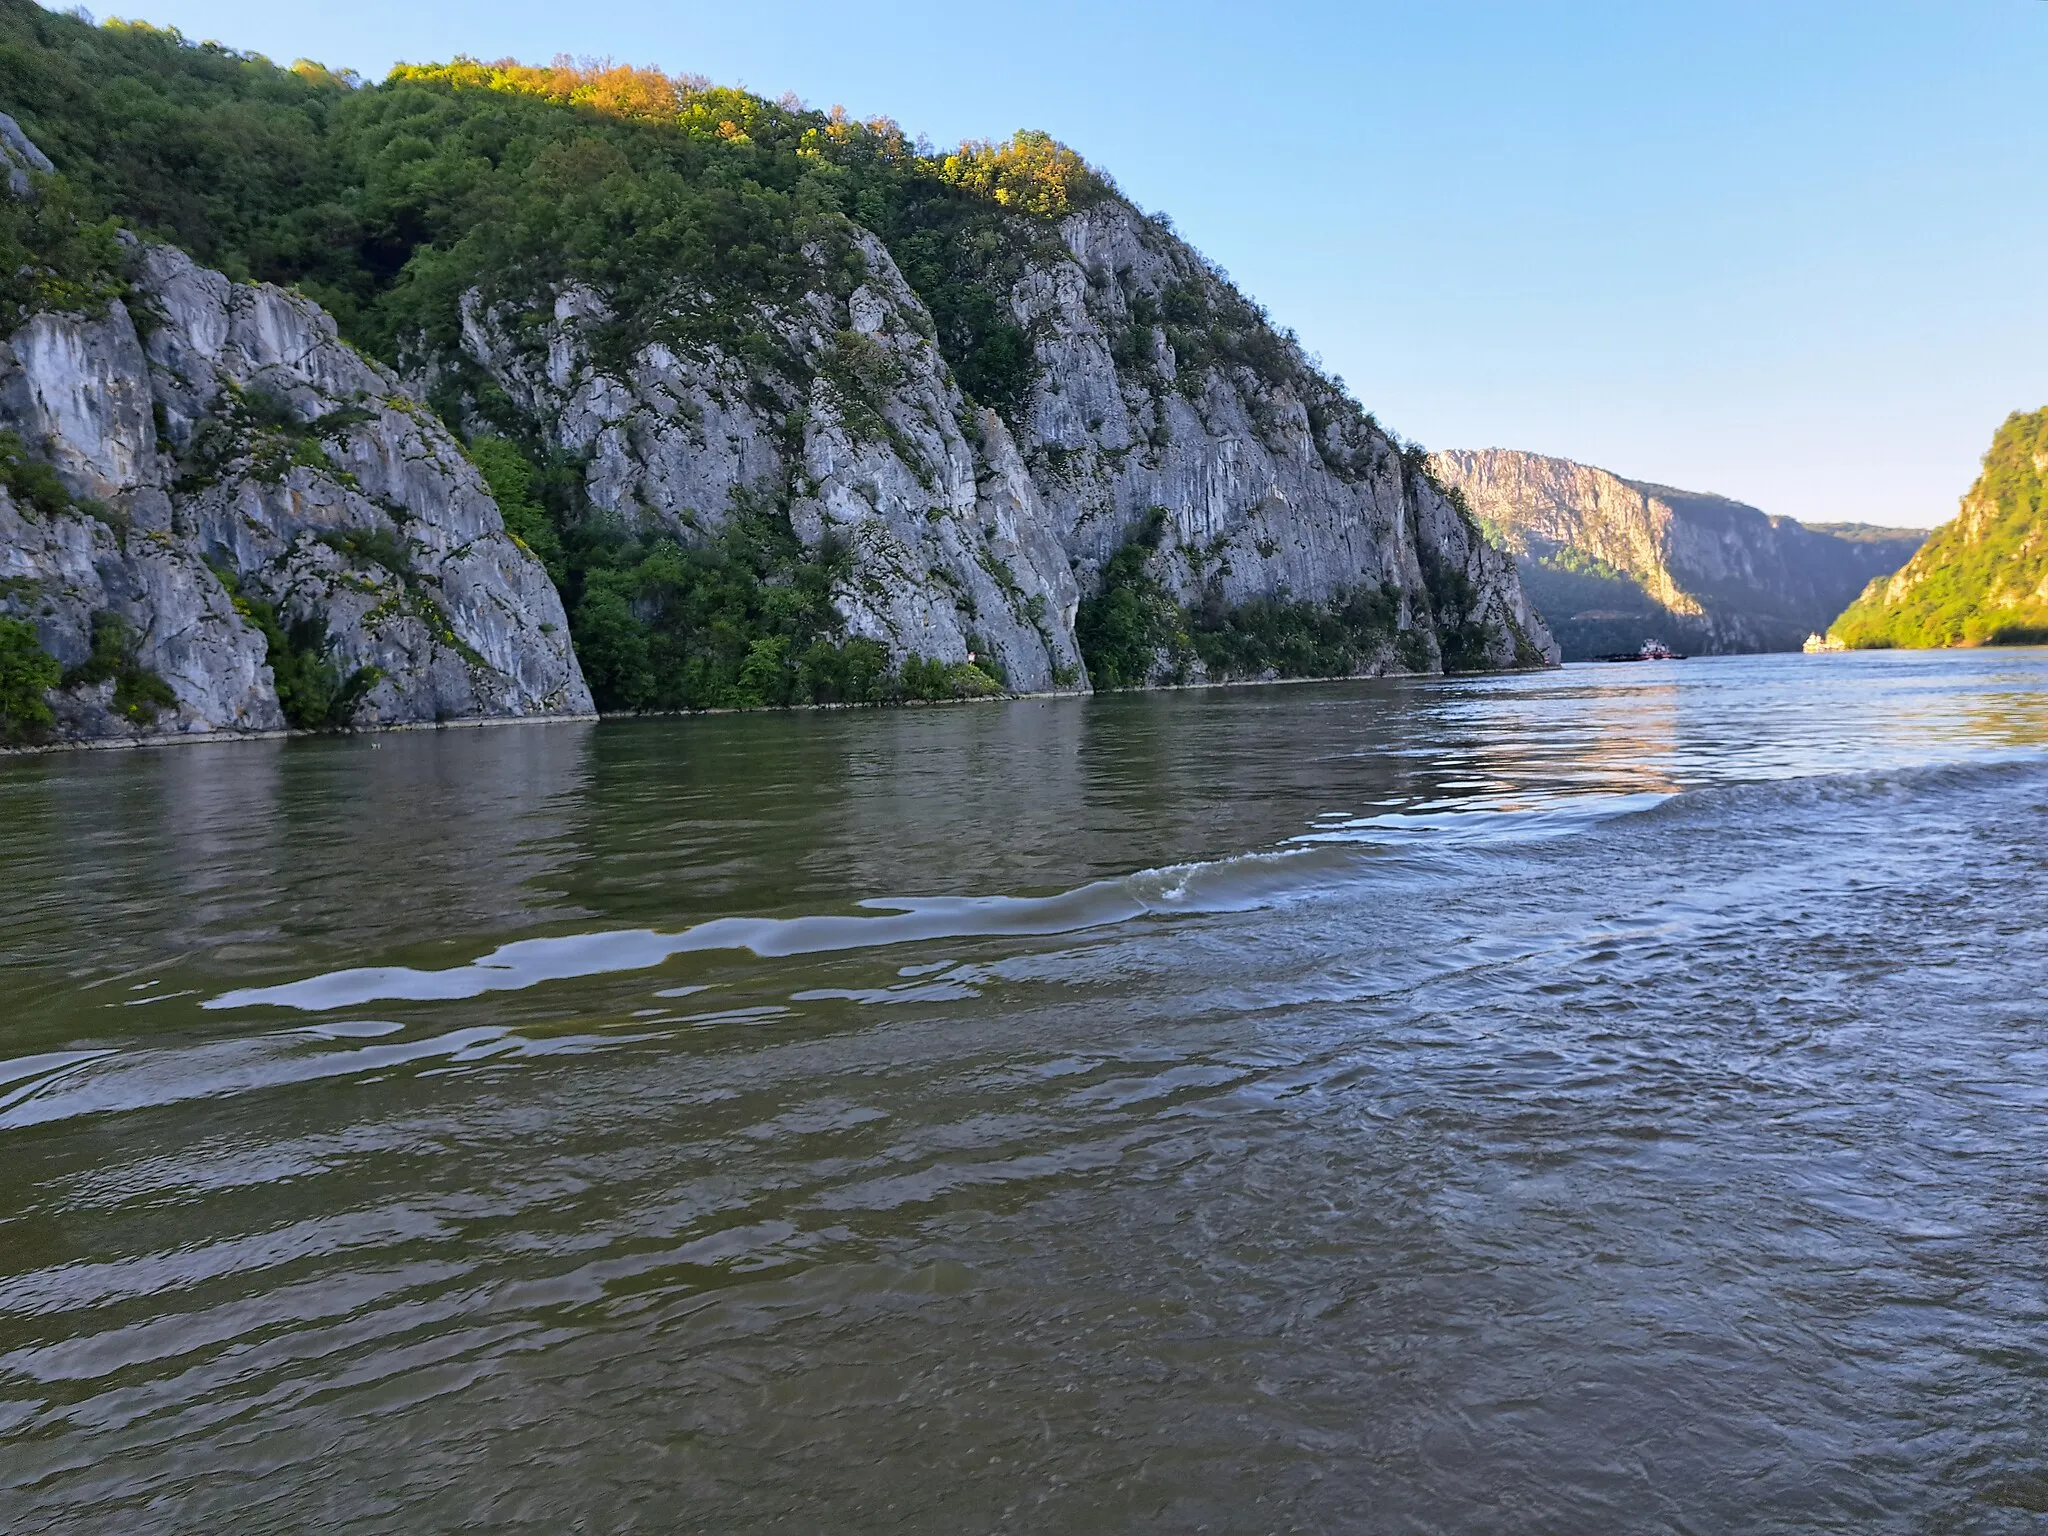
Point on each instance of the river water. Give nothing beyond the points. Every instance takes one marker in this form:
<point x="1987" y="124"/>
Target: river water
<point x="1613" y="1099"/>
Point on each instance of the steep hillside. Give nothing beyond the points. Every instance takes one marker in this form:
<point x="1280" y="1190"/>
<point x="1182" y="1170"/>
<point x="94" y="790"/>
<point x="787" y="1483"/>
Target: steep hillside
<point x="231" y="521"/>
<point x="1981" y="579"/>
<point x="788" y="407"/>
<point x="1609" y="561"/>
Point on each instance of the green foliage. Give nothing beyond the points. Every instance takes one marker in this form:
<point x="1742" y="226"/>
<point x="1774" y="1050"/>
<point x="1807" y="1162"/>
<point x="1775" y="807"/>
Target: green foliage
<point x="27" y="673"/>
<point x="34" y="486"/>
<point x="1131" y="628"/>
<point x="1132" y="631"/>
<point x="138" y="692"/>
<point x="1031" y="171"/>
<point x="861" y="372"/>
<point x="937" y="680"/>
<point x="1211" y="325"/>
<point x="1274" y="637"/>
<point x="742" y="621"/>
<point x="1464" y="640"/>
<point x="266" y="430"/>
<point x="55" y="255"/>
<point x="1980" y="579"/>
<point x="378" y="547"/>
<point x="661" y="625"/>
<point x="223" y="153"/>
<point x="510" y="476"/>
<point x="690" y="206"/>
<point x="310" y="688"/>
<point x="1567" y="561"/>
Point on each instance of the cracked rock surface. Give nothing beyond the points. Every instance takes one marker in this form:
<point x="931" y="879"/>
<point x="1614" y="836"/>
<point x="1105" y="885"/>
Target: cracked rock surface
<point x="969" y="534"/>
<point x="224" y="453"/>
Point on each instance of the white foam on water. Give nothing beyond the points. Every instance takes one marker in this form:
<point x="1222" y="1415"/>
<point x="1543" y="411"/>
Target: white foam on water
<point x="1221" y="885"/>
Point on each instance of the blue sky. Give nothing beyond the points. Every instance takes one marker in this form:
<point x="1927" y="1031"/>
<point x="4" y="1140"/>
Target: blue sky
<point x="1789" y="250"/>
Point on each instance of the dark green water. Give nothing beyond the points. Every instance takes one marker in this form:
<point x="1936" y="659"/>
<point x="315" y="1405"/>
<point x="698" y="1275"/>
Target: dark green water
<point x="1609" y="1100"/>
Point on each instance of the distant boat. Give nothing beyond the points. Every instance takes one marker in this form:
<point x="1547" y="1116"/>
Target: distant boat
<point x="1817" y="643"/>
<point x="1653" y="650"/>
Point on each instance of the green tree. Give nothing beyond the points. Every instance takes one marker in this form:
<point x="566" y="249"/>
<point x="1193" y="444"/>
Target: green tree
<point x="27" y="674"/>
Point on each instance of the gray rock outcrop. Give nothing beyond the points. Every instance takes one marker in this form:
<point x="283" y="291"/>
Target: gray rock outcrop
<point x="1275" y="487"/>
<point x="968" y="536"/>
<point x="229" y="462"/>
<point x="21" y="157"/>
<point x="861" y="428"/>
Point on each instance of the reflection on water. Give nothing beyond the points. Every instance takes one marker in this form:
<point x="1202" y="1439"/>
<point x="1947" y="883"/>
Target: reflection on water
<point x="1596" y="1100"/>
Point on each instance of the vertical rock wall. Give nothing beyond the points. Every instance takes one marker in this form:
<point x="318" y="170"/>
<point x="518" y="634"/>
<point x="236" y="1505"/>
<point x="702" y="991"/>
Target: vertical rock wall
<point x="229" y="454"/>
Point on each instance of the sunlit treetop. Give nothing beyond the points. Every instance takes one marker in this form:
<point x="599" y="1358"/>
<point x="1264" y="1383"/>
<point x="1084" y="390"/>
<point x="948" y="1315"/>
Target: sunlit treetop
<point x="1031" y="172"/>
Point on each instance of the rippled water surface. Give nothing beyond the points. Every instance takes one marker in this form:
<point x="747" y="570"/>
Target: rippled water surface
<point x="1608" y="1100"/>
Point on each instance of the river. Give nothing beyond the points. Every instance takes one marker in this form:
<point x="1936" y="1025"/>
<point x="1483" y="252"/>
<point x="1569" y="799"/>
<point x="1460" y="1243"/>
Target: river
<point x="1608" y="1099"/>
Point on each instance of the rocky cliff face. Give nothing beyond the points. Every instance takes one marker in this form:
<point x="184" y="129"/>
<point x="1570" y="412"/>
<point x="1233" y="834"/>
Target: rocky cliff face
<point x="1274" y="486"/>
<point x="857" y="426"/>
<point x="1610" y="561"/>
<point x="1261" y="482"/>
<point x="735" y="436"/>
<point x="218" y="517"/>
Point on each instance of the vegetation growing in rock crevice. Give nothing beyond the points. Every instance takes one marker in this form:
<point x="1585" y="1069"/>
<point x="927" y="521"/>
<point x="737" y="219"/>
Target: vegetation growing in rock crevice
<point x="1463" y="639"/>
<point x="1340" y="637"/>
<point x="138" y="692"/>
<point x="1132" y="632"/>
<point x="27" y="674"/>
<point x="311" y="691"/>
<point x="743" y="620"/>
<point x="1131" y="629"/>
<point x="54" y="254"/>
<point x="32" y="484"/>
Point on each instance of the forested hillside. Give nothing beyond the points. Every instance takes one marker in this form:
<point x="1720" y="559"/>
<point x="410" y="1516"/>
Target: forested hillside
<point x="785" y="403"/>
<point x="1981" y="579"/>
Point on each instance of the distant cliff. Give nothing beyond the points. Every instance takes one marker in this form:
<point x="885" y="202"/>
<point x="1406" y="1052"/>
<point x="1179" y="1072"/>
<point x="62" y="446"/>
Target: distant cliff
<point x="781" y="407"/>
<point x="1610" y="562"/>
<point x="1981" y="579"/>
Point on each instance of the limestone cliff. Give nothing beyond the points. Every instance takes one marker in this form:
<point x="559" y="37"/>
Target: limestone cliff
<point x="968" y="538"/>
<point x="1157" y="386"/>
<point x="1610" y="561"/>
<point x="753" y="403"/>
<point x="857" y="427"/>
<point x="223" y="515"/>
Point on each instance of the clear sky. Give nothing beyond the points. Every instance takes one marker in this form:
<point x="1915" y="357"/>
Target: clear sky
<point x="1789" y="250"/>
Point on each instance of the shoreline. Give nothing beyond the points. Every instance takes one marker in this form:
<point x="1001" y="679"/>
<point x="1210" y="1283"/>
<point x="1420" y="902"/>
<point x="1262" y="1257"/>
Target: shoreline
<point x="599" y="717"/>
<point x="224" y="737"/>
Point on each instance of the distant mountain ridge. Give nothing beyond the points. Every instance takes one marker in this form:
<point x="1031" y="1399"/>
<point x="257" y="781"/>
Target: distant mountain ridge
<point x="1610" y="561"/>
<point x="1981" y="579"/>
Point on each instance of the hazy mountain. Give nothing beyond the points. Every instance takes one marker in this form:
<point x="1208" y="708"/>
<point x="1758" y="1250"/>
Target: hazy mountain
<point x="1609" y="562"/>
